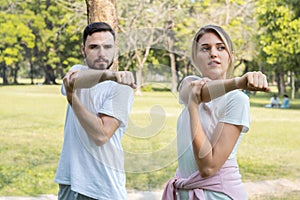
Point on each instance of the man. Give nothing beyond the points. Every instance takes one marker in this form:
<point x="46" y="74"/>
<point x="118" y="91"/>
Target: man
<point x="91" y="164"/>
<point x="275" y="101"/>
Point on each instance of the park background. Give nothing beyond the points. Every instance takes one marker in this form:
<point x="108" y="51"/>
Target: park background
<point x="41" y="41"/>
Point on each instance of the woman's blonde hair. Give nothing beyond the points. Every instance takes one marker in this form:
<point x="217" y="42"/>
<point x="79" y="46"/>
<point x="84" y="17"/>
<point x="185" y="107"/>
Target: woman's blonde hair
<point x="224" y="37"/>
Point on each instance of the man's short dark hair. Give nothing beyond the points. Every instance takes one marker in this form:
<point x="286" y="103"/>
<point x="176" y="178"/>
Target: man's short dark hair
<point x="97" y="27"/>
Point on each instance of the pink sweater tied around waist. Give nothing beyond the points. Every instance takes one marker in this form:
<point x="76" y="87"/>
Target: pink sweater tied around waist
<point x="227" y="180"/>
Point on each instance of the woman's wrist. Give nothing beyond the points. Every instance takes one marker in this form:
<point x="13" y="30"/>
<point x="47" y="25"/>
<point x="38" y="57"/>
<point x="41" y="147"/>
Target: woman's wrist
<point x="192" y="105"/>
<point x="238" y="83"/>
<point x="234" y="83"/>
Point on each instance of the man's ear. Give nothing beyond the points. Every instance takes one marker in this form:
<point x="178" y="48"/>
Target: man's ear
<point x="83" y="50"/>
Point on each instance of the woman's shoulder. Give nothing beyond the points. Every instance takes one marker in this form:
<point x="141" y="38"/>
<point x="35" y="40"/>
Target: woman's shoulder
<point x="237" y="95"/>
<point x="188" y="79"/>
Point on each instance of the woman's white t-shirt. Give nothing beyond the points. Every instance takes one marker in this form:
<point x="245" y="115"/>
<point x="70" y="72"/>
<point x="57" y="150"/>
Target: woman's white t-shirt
<point x="231" y="108"/>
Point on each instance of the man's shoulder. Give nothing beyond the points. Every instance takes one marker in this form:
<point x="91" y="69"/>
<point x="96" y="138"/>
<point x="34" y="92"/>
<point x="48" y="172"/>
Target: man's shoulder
<point x="78" y="67"/>
<point x="118" y="85"/>
<point x="120" y="90"/>
<point x="114" y="87"/>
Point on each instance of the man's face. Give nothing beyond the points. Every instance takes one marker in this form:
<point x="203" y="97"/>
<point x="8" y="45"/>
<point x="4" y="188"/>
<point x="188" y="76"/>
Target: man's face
<point x="99" y="50"/>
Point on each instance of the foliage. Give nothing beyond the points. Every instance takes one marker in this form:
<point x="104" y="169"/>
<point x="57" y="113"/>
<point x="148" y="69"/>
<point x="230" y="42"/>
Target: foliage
<point x="38" y="36"/>
<point x="279" y="30"/>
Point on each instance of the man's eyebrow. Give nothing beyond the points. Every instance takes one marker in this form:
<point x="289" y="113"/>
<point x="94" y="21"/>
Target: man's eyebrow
<point x="91" y="44"/>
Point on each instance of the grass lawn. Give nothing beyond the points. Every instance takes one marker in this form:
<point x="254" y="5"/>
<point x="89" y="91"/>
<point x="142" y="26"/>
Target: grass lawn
<point x="31" y="134"/>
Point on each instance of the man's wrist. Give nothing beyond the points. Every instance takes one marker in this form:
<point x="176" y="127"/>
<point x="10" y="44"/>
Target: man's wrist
<point x="107" y="75"/>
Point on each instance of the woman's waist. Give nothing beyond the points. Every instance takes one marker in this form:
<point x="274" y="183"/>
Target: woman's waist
<point x="183" y="171"/>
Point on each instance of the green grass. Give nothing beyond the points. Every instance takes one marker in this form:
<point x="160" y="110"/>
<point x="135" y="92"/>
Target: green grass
<point x="31" y="135"/>
<point x="271" y="150"/>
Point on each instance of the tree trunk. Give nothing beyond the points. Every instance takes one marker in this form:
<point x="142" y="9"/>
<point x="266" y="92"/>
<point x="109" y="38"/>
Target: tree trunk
<point x="104" y="11"/>
<point x="139" y="76"/>
<point x="186" y="69"/>
<point x="293" y="88"/>
<point x="227" y="7"/>
<point x="173" y="72"/>
<point x="31" y="70"/>
<point x="49" y="75"/>
<point x="280" y="82"/>
<point x="16" y="73"/>
<point x="171" y="38"/>
<point x="4" y="75"/>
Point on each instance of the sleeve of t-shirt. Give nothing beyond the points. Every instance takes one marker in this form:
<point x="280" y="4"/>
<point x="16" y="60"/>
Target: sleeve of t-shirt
<point x="75" y="67"/>
<point x="237" y="110"/>
<point x="180" y="98"/>
<point x="118" y="103"/>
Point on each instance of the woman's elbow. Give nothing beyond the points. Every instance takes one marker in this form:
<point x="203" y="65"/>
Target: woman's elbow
<point x="207" y="172"/>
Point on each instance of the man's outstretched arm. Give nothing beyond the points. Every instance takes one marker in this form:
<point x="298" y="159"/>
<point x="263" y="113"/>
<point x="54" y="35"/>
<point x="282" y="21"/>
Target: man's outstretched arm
<point x="90" y="77"/>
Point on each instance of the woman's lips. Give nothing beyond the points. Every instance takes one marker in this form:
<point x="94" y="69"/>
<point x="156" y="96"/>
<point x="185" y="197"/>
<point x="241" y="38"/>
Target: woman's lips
<point x="214" y="63"/>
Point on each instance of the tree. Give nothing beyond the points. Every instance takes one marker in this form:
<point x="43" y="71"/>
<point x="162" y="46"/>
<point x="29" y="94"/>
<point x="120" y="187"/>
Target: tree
<point x="146" y="26"/>
<point x="142" y="27"/>
<point x="38" y="35"/>
<point x="102" y="10"/>
<point x="69" y="33"/>
<point x="57" y="19"/>
<point x="18" y="39"/>
<point x="279" y="39"/>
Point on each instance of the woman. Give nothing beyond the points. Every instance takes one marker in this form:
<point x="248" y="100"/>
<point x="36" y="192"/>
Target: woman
<point x="211" y="125"/>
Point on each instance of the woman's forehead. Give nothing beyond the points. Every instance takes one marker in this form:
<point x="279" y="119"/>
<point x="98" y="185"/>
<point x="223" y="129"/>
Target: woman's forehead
<point x="210" y="37"/>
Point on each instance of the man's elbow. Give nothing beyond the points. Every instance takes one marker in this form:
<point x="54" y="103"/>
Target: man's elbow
<point x="100" y="140"/>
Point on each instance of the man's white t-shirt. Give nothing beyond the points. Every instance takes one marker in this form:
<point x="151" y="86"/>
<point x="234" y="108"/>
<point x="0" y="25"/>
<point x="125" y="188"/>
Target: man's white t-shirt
<point x="91" y="170"/>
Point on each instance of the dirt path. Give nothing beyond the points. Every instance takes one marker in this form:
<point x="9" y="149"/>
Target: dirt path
<point x="254" y="189"/>
<point x="274" y="187"/>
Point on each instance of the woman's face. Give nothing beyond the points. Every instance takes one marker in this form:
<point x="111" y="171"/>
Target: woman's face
<point x="212" y="57"/>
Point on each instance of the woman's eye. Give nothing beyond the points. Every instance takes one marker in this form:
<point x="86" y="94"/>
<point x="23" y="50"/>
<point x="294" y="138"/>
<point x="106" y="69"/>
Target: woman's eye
<point x="204" y="49"/>
<point x="221" y="48"/>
